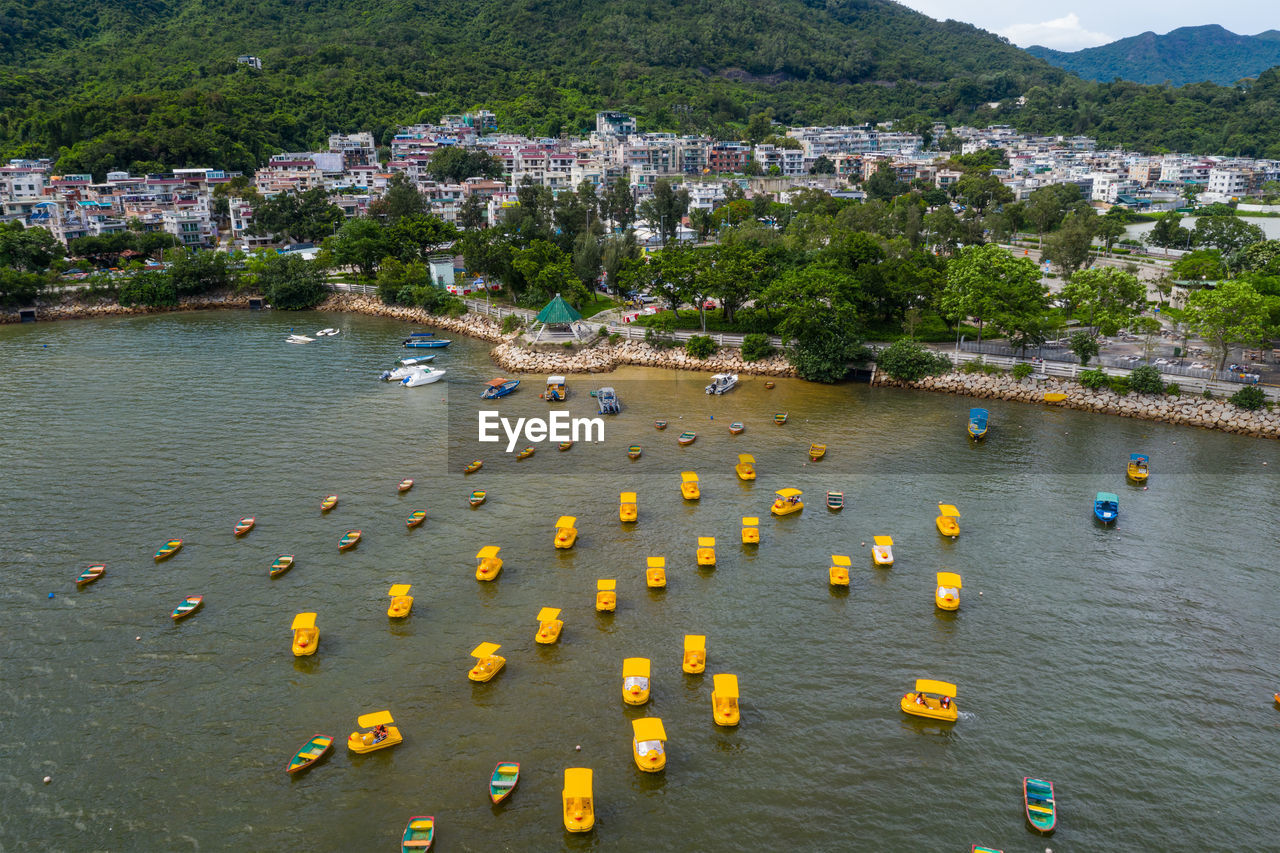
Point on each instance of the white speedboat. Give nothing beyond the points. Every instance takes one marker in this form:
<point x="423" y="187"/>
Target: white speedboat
<point x="298" y="339"/>
<point x="422" y="376"/>
<point x="405" y="366"/>
<point x="722" y="382"/>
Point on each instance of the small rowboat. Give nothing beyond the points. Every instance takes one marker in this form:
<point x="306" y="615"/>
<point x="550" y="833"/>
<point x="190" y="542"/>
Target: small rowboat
<point x="633" y="452"/>
<point x="1042" y="811"/>
<point x="245" y="524"/>
<point x="736" y="427"/>
<point x="769" y="384"/>
<point x="349" y="540"/>
<point x="978" y="848"/>
<point x="187" y="607"/>
<point x="170" y="548"/>
<point x="416" y="517"/>
<point x="419" y="834"/>
<point x="660" y="424"/>
<point x="565" y="445"/>
<point x="1054" y="396"/>
<point x="835" y="501"/>
<point x="328" y="503"/>
<point x="405" y="485"/>
<point x="473" y="467"/>
<point x="478" y="497"/>
<point x="91" y="574"/>
<point x="686" y="438"/>
<point x="311" y="752"/>
<point x="503" y="781"/>
<point x="817" y="451"/>
<point x="525" y="454"/>
<point x="780" y="418"/>
<point x="282" y="564"/>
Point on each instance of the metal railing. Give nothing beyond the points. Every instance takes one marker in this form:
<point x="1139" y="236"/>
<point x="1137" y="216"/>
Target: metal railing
<point x="1054" y="353"/>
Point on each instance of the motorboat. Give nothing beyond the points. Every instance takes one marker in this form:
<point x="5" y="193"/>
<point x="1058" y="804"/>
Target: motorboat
<point x="932" y="699"/>
<point x="1106" y="507"/>
<point x="635" y="680"/>
<point x="488" y="664"/>
<point x="977" y="423"/>
<point x="379" y="732"/>
<point x="695" y="654"/>
<point x="404" y="368"/>
<point x="298" y="339"/>
<point x="648" y="744"/>
<point x="608" y="402"/>
<point x="557" y="390"/>
<point x="722" y="382"/>
<point x="422" y="376"/>
<point x="947" y="593"/>
<point x="426" y="343"/>
<point x="495" y="388"/>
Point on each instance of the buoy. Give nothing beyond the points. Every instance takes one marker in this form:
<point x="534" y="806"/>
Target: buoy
<point x="51" y="595"/>
<point x="578" y="748"/>
<point x="864" y="544"/>
<point x="48" y="779"/>
<point x="137" y="638"/>
<point x="979" y="593"/>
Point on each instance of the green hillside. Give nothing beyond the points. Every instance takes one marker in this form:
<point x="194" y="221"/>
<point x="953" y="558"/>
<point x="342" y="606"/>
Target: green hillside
<point x="106" y="84"/>
<point x="1184" y="55"/>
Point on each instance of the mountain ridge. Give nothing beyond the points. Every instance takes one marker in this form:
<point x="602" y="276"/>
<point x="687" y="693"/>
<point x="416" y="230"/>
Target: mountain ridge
<point x="1184" y="55"/>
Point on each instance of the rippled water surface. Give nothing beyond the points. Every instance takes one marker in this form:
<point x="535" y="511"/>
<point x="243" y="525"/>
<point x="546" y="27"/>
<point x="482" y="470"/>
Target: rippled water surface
<point x="1132" y="666"/>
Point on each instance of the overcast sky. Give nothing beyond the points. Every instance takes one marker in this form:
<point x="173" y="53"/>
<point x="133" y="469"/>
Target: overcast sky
<point x="1073" y="24"/>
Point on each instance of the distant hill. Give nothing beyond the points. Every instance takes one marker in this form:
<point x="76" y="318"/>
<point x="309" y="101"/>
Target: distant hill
<point x="1181" y="56"/>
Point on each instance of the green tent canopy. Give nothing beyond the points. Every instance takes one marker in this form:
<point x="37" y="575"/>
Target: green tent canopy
<point x="558" y="313"/>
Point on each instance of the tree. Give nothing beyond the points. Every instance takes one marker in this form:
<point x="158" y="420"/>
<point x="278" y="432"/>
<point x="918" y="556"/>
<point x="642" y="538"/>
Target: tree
<point x="1069" y="246"/>
<point x="1085" y="346"/>
<point x="20" y="289"/>
<point x="1262" y="258"/>
<point x="455" y="164"/>
<point x="1106" y="298"/>
<point x="546" y="270"/>
<point x="1226" y="233"/>
<point x="908" y="361"/>
<point x="290" y="283"/>
<point x="1200" y="265"/>
<point x="619" y="204"/>
<point x="702" y="222"/>
<point x="883" y="183"/>
<point x="1149" y="329"/>
<point x="1232" y="313"/>
<point x="1146" y="380"/>
<point x="288" y="216"/>
<point x="1046" y="206"/>
<point x="400" y="199"/>
<point x="30" y="249"/>
<point x="1109" y="229"/>
<point x="418" y="235"/>
<point x="981" y="190"/>
<point x="195" y="273"/>
<point x="665" y="209"/>
<point x="1168" y="232"/>
<point x="359" y="243"/>
<point x="586" y="258"/>
<point x="822" y="166"/>
<point x="985" y="282"/>
<point x="615" y="251"/>
<point x="473" y="215"/>
<point x="759" y="127"/>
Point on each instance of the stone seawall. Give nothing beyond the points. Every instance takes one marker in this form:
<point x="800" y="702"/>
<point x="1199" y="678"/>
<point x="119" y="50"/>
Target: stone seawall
<point x="1184" y="410"/>
<point x="74" y="308"/>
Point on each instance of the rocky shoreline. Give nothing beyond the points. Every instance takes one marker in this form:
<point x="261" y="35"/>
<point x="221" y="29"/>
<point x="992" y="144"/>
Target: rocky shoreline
<point x="1183" y="410"/>
<point x="74" y="308"/>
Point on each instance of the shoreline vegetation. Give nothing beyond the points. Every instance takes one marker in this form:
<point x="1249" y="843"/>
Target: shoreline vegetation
<point x="601" y="356"/>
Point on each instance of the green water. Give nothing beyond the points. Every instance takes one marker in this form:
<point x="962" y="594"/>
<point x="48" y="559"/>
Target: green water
<point x="1132" y="666"/>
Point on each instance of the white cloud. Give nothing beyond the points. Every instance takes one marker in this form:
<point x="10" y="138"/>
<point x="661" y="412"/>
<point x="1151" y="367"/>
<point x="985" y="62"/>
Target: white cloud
<point x="1063" y="33"/>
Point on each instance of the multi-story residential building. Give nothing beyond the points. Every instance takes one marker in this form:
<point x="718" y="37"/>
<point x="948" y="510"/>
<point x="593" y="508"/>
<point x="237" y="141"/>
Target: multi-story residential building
<point x="615" y="124"/>
<point x="357" y="149"/>
<point x="726" y="156"/>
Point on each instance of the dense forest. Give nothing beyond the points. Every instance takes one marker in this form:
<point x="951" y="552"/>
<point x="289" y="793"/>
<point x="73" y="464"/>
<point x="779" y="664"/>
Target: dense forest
<point x="1184" y="55"/>
<point x="104" y="85"/>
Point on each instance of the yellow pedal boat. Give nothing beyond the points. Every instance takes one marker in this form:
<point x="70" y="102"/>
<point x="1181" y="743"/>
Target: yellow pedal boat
<point x="724" y="699"/>
<point x="488" y="563"/>
<point x="947" y="595"/>
<point x="656" y="574"/>
<point x="882" y="551"/>
<point x="695" y="654"/>
<point x="549" y="626"/>
<point x="487" y="663"/>
<point x="839" y="570"/>
<point x="750" y="530"/>
<point x="606" y="595"/>
<point x="401" y="601"/>
<point x="787" y="502"/>
<point x="628" y="507"/>
<point x="647" y="744"/>
<point x="746" y="467"/>
<point x="706" y="551"/>
<point x="689" y="486"/>
<point x="948" y="524"/>
<point x="566" y="533"/>
<point x="579" y="805"/>
<point x="932" y="699"/>
<point x="635" y="681"/>
<point x="379" y="732"/>
<point x="306" y="636"/>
